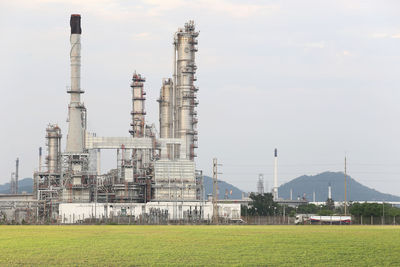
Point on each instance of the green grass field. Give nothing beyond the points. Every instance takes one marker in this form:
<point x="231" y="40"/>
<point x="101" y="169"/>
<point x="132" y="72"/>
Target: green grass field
<point x="200" y="245"/>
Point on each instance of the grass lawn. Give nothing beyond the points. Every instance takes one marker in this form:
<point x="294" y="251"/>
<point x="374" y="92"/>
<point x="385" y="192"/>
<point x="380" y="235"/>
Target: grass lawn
<point x="119" y="245"/>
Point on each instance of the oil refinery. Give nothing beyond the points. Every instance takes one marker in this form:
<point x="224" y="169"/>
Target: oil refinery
<point x="155" y="174"/>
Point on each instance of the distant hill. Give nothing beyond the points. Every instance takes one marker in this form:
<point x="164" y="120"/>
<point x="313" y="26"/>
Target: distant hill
<point x="222" y="186"/>
<point x="303" y="184"/>
<point x="319" y="183"/>
<point x="25" y="184"/>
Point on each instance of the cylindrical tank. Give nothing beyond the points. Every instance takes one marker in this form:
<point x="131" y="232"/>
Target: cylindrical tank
<point x="53" y="136"/>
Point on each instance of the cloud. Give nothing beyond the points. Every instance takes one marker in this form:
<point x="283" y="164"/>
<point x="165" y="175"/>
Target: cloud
<point x="379" y="35"/>
<point x="346" y="53"/>
<point x="142" y="36"/>
<point x="315" y="45"/>
<point x="238" y="10"/>
<point x="123" y="10"/>
<point x="385" y="35"/>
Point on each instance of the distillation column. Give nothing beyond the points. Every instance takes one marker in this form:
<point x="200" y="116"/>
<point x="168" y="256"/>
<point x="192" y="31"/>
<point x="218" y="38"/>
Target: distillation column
<point x="75" y="138"/>
<point x="185" y="92"/>
<point x="53" y="160"/>
<point x="138" y="112"/>
<point x="166" y="109"/>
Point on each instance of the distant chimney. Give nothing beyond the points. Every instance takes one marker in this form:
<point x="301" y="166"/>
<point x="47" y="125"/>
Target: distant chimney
<point x="329" y="191"/>
<point x="275" y="190"/>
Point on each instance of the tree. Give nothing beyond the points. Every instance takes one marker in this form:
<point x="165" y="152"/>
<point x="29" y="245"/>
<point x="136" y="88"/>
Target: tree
<point x="307" y="209"/>
<point x="330" y="204"/>
<point x="373" y="209"/>
<point x="263" y="205"/>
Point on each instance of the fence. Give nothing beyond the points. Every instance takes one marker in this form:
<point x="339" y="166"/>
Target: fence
<point x="268" y="220"/>
<point x="285" y="220"/>
<point x="373" y="220"/>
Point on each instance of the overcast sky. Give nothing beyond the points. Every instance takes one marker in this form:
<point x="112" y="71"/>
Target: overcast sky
<point x="316" y="79"/>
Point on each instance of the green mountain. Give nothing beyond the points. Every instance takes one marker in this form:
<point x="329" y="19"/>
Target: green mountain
<point x="24" y="185"/>
<point x="300" y="186"/>
<point x="319" y="184"/>
<point x="27" y="185"/>
<point x="222" y="187"/>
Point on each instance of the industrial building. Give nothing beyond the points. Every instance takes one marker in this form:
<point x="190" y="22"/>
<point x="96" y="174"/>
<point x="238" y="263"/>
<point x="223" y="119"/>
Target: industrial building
<point x="153" y="172"/>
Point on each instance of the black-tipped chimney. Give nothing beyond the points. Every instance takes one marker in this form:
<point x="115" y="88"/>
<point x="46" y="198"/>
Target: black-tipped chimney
<point x="276" y="152"/>
<point x="75" y="23"/>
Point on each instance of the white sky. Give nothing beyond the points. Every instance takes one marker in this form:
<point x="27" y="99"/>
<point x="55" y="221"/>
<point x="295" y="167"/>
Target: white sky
<point x="316" y="79"/>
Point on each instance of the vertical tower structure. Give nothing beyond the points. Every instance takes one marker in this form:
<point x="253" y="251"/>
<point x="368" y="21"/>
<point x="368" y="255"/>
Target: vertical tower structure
<point x="138" y="112"/>
<point x="329" y="191"/>
<point x="53" y="159"/>
<point x="260" y="184"/>
<point x="166" y="109"/>
<point x="16" y="175"/>
<point x="184" y="90"/>
<point x="77" y="111"/>
<point x="275" y="190"/>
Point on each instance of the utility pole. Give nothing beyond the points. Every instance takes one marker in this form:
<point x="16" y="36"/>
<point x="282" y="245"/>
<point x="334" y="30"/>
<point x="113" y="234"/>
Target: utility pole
<point x="215" y="190"/>
<point x="345" y="186"/>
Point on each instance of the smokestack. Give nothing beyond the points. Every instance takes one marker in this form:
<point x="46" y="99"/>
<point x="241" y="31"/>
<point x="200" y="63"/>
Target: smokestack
<point x="75" y="23"/>
<point x="291" y="194"/>
<point x="76" y="109"/>
<point x="275" y="191"/>
<point x="16" y="175"/>
<point x="329" y="191"/>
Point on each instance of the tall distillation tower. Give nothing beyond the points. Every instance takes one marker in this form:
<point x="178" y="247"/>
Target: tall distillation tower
<point x="185" y="92"/>
<point x="176" y="177"/>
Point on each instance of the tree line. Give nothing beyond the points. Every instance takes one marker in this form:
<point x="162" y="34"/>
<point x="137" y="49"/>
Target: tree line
<point x="264" y="205"/>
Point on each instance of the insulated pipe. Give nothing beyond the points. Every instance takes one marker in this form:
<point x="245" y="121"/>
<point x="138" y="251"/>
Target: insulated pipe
<point x="76" y="124"/>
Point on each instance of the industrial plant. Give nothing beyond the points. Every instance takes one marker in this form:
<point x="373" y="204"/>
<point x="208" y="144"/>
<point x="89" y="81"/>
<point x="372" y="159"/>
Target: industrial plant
<point x="155" y="173"/>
